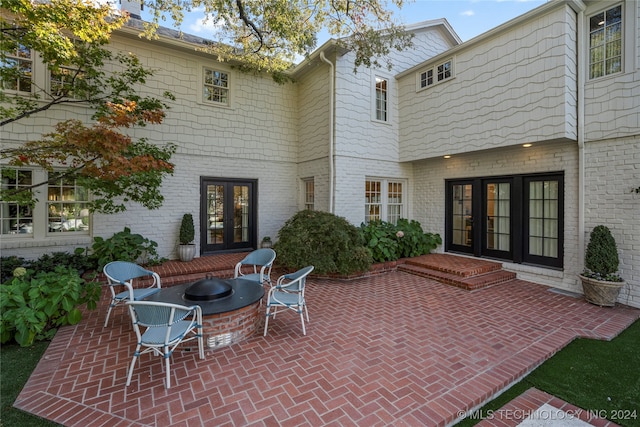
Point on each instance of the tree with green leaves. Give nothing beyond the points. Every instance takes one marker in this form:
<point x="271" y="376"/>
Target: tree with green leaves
<point x="269" y="35"/>
<point x="70" y="37"/>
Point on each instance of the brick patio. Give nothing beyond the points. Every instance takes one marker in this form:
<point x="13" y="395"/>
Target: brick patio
<point x="389" y="349"/>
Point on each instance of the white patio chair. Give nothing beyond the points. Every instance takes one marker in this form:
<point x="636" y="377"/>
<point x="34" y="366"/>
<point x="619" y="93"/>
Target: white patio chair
<point x="123" y="273"/>
<point x="256" y="266"/>
<point x="160" y="327"/>
<point x="288" y="293"/>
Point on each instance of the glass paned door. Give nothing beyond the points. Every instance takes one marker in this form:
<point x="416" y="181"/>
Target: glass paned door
<point x="497" y="213"/>
<point x="460" y="217"/>
<point x="228" y="215"/>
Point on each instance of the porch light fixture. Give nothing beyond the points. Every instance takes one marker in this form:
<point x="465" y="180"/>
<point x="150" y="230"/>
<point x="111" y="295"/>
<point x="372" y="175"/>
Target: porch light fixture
<point x="447" y="156"/>
<point x="527" y="145"/>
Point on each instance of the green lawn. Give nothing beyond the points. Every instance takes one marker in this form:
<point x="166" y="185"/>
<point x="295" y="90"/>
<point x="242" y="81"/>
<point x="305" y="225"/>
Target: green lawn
<point x="16" y="364"/>
<point x="599" y="376"/>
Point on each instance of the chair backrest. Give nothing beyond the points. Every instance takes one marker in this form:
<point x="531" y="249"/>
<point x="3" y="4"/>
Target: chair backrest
<point x="123" y="271"/>
<point x="263" y="256"/>
<point x="295" y="281"/>
<point x="155" y="313"/>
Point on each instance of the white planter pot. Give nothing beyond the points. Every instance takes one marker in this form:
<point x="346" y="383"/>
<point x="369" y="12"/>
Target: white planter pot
<point x="186" y="252"/>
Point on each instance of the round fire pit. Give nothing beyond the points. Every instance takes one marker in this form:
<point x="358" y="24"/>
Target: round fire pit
<point x="230" y="307"/>
<point x="208" y="289"/>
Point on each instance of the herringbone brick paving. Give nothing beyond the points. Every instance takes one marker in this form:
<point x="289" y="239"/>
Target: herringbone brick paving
<point x="390" y="349"/>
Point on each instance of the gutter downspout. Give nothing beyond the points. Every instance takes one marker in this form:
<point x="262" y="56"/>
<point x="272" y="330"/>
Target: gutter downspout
<point x="581" y="156"/>
<point x="331" y="131"/>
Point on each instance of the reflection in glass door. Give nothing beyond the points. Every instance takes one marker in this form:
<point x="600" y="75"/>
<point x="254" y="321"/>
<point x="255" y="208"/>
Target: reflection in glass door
<point x="228" y="215"/>
<point x="461" y="217"/>
<point x="497" y="212"/>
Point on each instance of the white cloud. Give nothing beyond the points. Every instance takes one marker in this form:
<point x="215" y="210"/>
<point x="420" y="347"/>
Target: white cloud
<point x="203" y="25"/>
<point x="467" y="13"/>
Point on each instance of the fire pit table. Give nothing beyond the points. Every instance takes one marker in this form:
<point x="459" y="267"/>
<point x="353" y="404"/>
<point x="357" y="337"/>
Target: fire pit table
<point x="230" y="307"/>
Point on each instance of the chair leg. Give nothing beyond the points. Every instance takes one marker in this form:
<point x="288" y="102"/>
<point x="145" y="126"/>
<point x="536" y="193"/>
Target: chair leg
<point x="167" y="355"/>
<point x="106" y="321"/>
<point x="306" y="312"/>
<point x="304" y="332"/>
<point x="133" y="364"/>
<point x="266" y="321"/>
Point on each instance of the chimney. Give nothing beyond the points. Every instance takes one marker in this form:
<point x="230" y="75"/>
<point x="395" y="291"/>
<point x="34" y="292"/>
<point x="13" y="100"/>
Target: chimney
<point x="134" y="7"/>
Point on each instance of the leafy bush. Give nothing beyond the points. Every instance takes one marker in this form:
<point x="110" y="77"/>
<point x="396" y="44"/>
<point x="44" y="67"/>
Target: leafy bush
<point x="79" y="259"/>
<point x="388" y="242"/>
<point x="328" y="242"/>
<point x="8" y="264"/>
<point x="187" y="231"/>
<point x="601" y="257"/>
<point x="34" y="304"/>
<point x="124" y="246"/>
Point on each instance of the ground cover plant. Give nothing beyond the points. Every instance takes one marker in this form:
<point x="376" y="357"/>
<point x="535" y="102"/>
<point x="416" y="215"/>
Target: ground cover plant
<point x="597" y="376"/>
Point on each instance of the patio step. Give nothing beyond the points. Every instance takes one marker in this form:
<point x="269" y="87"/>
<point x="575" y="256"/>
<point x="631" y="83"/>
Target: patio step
<point x="465" y="273"/>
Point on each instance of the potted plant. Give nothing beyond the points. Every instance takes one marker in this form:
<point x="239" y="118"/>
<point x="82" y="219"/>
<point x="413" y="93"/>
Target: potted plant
<point x="600" y="280"/>
<point x="186" y="248"/>
<point x="266" y="242"/>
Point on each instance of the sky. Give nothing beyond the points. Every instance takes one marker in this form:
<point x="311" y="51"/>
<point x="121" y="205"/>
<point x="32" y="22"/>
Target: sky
<point x="469" y="18"/>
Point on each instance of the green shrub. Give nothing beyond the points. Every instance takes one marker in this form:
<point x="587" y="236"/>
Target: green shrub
<point x="79" y="259"/>
<point x="124" y="246"/>
<point x="601" y="257"/>
<point x="388" y="242"/>
<point x="328" y="242"/>
<point x="8" y="264"/>
<point x="34" y="304"/>
<point x="187" y="231"/>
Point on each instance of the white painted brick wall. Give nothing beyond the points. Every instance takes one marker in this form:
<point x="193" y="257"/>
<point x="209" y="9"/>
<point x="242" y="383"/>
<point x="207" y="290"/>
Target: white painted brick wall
<point x="612" y="170"/>
<point x="429" y="195"/>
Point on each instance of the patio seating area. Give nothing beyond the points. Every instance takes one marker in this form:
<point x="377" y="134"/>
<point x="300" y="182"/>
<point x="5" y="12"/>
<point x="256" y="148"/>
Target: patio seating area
<point x="388" y="349"/>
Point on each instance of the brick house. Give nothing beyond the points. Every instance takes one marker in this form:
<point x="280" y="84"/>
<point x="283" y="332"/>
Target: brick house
<point x="440" y="139"/>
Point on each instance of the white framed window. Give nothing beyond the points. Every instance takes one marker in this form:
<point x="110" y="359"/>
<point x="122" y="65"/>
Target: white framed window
<point x="21" y="61"/>
<point x="436" y="74"/>
<point x="65" y="209"/>
<point x="62" y="82"/>
<point x="384" y="200"/>
<point x="309" y="193"/>
<point x="605" y="42"/>
<point x="215" y="87"/>
<point x="381" y="99"/>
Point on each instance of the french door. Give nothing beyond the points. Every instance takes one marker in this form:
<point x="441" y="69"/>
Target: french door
<point x="516" y="218"/>
<point x="228" y="214"/>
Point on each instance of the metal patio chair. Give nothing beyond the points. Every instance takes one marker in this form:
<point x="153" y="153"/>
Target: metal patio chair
<point x="160" y="327"/>
<point x="288" y="293"/>
<point x="256" y="266"/>
<point x="123" y="273"/>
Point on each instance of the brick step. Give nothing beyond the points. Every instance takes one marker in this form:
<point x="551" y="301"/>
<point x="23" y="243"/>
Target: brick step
<point x="477" y="281"/>
<point x="459" y="266"/>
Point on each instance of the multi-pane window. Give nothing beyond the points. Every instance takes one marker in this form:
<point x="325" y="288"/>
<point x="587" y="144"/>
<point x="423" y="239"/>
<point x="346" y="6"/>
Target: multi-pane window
<point x="543" y="218"/>
<point x="309" y="194"/>
<point x="63" y="82"/>
<point x="498" y="227"/>
<point x="18" y="73"/>
<point x="216" y="86"/>
<point x="67" y="206"/>
<point x="605" y="42"/>
<point x="437" y="74"/>
<point x="382" y="91"/>
<point x="384" y="200"/>
<point x="15" y="218"/>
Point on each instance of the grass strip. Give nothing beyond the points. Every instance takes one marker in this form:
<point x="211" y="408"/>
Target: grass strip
<point x="16" y="365"/>
<point x="598" y="376"/>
